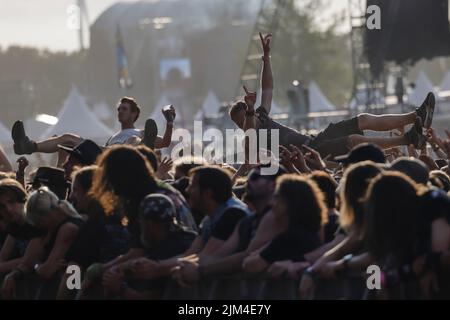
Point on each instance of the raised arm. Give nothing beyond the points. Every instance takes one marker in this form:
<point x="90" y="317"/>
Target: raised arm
<point x="164" y="142"/>
<point x="266" y="77"/>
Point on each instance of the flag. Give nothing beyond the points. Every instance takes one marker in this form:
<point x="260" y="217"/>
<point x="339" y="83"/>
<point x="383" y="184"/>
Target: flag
<point x="122" y="63"/>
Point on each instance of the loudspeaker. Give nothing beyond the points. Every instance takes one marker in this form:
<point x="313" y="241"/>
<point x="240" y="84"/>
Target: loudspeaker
<point x="410" y="30"/>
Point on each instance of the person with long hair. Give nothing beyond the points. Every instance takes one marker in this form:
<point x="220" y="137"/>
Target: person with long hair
<point x="299" y="204"/>
<point x="355" y="183"/>
<point x="392" y="227"/>
<point x="49" y="256"/>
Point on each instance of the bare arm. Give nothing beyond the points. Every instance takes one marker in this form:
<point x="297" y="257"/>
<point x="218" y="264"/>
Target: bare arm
<point x="266" y="77"/>
<point x="131" y="254"/>
<point x="164" y="141"/>
<point x="64" y="239"/>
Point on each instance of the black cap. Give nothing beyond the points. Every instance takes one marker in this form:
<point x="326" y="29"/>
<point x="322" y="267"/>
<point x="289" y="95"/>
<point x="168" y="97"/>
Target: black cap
<point x="363" y="152"/>
<point x="253" y="173"/>
<point x="86" y="152"/>
<point x="158" y="207"/>
<point x="50" y="176"/>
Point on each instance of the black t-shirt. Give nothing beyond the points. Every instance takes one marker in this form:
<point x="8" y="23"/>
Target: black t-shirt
<point x="224" y="227"/>
<point x="25" y="231"/>
<point x="247" y="229"/>
<point x="287" y="135"/>
<point x="72" y="254"/>
<point x="291" y="245"/>
<point x="22" y="235"/>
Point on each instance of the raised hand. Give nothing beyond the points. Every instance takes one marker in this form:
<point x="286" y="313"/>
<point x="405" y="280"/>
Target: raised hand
<point x="250" y="98"/>
<point x="22" y="163"/>
<point x="265" y="42"/>
<point x="169" y="113"/>
<point x="298" y="159"/>
<point x="164" y="167"/>
<point x="313" y="159"/>
<point x="285" y="159"/>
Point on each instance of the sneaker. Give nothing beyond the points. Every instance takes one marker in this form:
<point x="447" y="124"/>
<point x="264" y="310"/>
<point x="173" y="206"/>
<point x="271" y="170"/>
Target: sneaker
<point x="150" y="133"/>
<point x="22" y="144"/>
<point x="415" y="135"/>
<point x="426" y="110"/>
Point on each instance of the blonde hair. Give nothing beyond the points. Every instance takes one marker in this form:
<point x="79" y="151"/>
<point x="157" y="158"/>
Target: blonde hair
<point x="42" y="202"/>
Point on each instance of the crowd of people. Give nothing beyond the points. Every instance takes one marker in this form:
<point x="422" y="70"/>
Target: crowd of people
<point x="135" y="223"/>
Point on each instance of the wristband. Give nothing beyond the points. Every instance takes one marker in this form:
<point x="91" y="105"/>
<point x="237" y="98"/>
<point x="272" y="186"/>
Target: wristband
<point x="250" y="113"/>
<point x="346" y="260"/>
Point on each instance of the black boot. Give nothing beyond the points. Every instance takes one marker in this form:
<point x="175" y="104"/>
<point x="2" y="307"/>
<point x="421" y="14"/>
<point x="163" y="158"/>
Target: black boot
<point x="22" y="144"/>
<point x="426" y="110"/>
<point x="150" y="133"/>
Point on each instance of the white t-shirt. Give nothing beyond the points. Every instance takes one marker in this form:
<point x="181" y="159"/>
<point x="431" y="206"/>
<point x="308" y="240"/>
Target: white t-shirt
<point x="121" y="137"/>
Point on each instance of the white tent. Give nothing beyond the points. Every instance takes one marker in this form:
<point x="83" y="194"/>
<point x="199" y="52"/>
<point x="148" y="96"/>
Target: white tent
<point x="423" y="85"/>
<point x="34" y="129"/>
<point x="158" y="116"/>
<point x="211" y="105"/>
<point x="102" y="111"/>
<point x="5" y="134"/>
<point x="317" y="100"/>
<point x="445" y="84"/>
<point x="75" y="117"/>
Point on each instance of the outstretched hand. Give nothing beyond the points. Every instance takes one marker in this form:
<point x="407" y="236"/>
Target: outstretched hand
<point x="265" y="42"/>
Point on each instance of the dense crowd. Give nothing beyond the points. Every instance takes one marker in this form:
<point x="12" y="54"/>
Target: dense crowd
<point x="134" y="222"/>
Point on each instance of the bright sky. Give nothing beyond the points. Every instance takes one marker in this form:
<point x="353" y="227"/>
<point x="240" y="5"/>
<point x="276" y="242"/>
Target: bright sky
<point x="43" y="23"/>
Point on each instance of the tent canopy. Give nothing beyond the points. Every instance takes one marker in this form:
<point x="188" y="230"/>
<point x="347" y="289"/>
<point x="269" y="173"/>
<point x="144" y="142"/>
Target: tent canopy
<point x="75" y="117"/>
<point x="423" y="85"/>
<point x="317" y="100"/>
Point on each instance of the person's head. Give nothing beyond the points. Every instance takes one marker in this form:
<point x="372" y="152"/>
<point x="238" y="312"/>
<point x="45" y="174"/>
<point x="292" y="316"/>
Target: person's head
<point x="7" y="175"/>
<point x="184" y="164"/>
<point x="413" y="168"/>
<point x="327" y="185"/>
<point x="237" y="113"/>
<point x="440" y="180"/>
<point x="260" y="187"/>
<point x="53" y="178"/>
<point x="128" y="110"/>
<point x="123" y="173"/>
<point x="299" y="203"/>
<point x="363" y="152"/>
<point x="12" y="199"/>
<point x="392" y="209"/>
<point x="84" y="154"/>
<point x="81" y="184"/>
<point x="209" y="186"/>
<point x="156" y="218"/>
<point x="44" y="209"/>
<point x="150" y="155"/>
<point x="356" y="181"/>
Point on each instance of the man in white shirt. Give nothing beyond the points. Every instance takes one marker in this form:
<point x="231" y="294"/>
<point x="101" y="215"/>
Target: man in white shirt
<point x="128" y="112"/>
